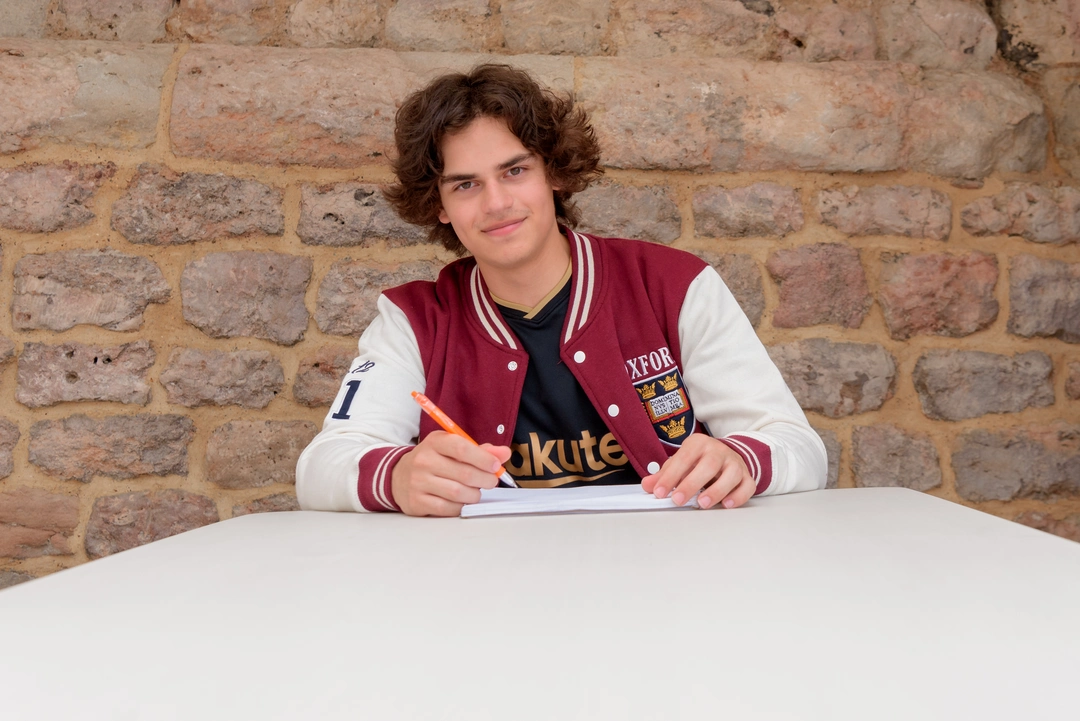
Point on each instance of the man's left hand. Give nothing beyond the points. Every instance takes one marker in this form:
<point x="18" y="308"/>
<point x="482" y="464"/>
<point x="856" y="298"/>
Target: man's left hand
<point x="705" y="463"/>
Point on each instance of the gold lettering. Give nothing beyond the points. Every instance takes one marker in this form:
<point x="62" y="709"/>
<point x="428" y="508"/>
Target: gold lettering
<point x="541" y="460"/>
<point x="564" y="462"/>
<point x="611" y="451"/>
<point x="525" y="468"/>
<point x="588" y="442"/>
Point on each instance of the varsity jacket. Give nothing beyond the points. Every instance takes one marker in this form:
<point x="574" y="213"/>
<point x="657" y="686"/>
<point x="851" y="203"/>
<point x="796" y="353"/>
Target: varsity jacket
<point x="652" y="334"/>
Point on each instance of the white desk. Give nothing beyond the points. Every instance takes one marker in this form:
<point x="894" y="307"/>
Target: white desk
<point x="845" y="604"/>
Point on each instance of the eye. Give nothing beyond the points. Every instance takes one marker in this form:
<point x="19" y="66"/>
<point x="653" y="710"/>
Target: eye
<point x="515" y="171"/>
<point x="464" y="185"/>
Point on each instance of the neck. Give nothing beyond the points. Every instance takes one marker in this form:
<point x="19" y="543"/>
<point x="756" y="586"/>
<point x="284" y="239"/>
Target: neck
<point x="528" y="283"/>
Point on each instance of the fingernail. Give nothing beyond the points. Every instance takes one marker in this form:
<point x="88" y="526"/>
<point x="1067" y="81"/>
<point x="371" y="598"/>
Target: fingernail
<point x="704" y="501"/>
<point x="729" y="503"/>
<point x="678" y="498"/>
<point x="660" y="492"/>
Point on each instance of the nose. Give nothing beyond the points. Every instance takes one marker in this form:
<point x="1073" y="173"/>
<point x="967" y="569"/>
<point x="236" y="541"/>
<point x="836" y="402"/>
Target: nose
<point x="496" y="198"/>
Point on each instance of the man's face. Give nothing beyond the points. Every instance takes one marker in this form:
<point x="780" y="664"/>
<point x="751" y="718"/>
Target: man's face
<point x="497" y="197"/>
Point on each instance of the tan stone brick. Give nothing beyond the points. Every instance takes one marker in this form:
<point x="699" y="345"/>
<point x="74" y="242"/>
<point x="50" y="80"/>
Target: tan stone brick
<point x="232" y="22"/>
<point x="1068" y="527"/>
<point x="1040" y="32"/>
<point x="118" y="523"/>
<point x="253" y="454"/>
<point x="832" y="452"/>
<point x="623" y="211"/>
<point x="320" y="374"/>
<point x="48" y="198"/>
<point x="938" y="294"/>
<point x="136" y="21"/>
<point x="820" y="283"/>
<point x="50" y="374"/>
<point x="1044" y="298"/>
<point x="1072" y="381"/>
<point x="1062" y="87"/>
<point x="57" y="291"/>
<point x="955" y="385"/>
<point x="1037" y="461"/>
<point x="86" y="93"/>
<point x="913" y="211"/>
<point x="760" y="209"/>
<point x="7" y="350"/>
<point x="719" y="28"/>
<point x="23" y="18"/>
<point x="194" y="378"/>
<point x="949" y="34"/>
<point x="442" y="26"/>
<point x="836" y="379"/>
<point x="348" y="293"/>
<point x="884" y="455"/>
<point x="336" y="23"/>
<point x="743" y="278"/>
<point x="554" y="72"/>
<point x="34" y="522"/>
<point x="555" y="27"/>
<point x="79" y="448"/>
<point x="821" y="33"/>
<point x="1033" y="212"/>
<point x="9" y="437"/>
<point x="270" y="504"/>
<point x="13" y="578"/>
<point x="349" y="214"/>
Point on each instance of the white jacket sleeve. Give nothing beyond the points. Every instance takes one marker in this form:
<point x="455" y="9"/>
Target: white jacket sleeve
<point x="738" y="392"/>
<point x="372" y="422"/>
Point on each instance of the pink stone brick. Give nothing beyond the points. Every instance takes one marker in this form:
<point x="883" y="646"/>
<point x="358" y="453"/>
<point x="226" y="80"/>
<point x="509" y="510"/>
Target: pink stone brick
<point x="320" y="374"/>
<point x="1072" y="381"/>
<point x="938" y="294"/>
<point x="9" y="437"/>
<point x="348" y="293"/>
<point x="50" y="374"/>
<point x="821" y="283"/>
<point x="137" y="21"/>
<point x="24" y="18"/>
<point x="253" y="454"/>
<point x="1062" y="91"/>
<point x="955" y="385"/>
<point x="336" y="23"/>
<point x="442" y="26"/>
<point x="7" y="349"/>
<point x="885" y="455"/>
<point x="232" y="22"/>
<point x="13" y="578"/>
<point x="1068" y="527"/>
<point x="1033" y="212"/>
<point x="49" y="198"/>
<point x="1044" y="298"/>
<point x="743" y="278"/>
<point x="760" y="209"/>
<point x="1040" y="32"/>
<point x="1037" y="461"/>
<point x="555" y="27"/>
<point x="34" y="522"/>
<point x="118" y="523"/>
<point x="722" y="28"/>
<point x="886" y="210"/>
<point x="822" y="33"/>
<point x="833" y="450"/>
<point x="352" y="214"/>
<point x="836" y="379"/>
<point x="269" y="504"/>
<point x="949" y="34"/>
<point x="623" y="211"/>
<point x="196" y="378"/>
<point x="84" y="93"/>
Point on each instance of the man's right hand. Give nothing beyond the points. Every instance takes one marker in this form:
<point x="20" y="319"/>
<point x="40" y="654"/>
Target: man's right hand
<point x="443" y="473"/>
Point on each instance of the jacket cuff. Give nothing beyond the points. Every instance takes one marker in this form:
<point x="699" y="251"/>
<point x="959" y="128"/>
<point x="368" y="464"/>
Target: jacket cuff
<point x="376" y="470"/>
<point x="757" y="456"/>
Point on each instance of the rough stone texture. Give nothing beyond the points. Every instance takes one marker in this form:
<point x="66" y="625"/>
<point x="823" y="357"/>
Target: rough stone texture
<point x="231" y="22"/>
<point x="1040" y="32"/>
<point x="623" y="211"/>
<point x="949" y="34"/>
<point x="253" y="454"/>
<point x="13" y="578"/>
<point x="272" y="105"/>
<point x="938" y="294"/>
<point x="79" y="448"/>
<point x="320" y="374"/>
<point x="884" y="455"/>
<point x="759" y="209"/>
<point x="957" y="384"/>
<point x="50" y="198"/>
<point x="836" y="379"/>
<point x="335" y="23"/>
<point x="7" y="347"/>
<point x="352" y="214"/>
<point x="887" y="210"/>
<point x="247" y="293"/>
<point x="135" y="21"/>
<point x="723" y="28"/>
<point x="442" y="25"/>
<point x="1072" y="382"/>
<point x="85" y="93"/>
<point x="1038" y="214"/>
<point x="9" y="437"/>
<point x="1044" y="298"/>
<point x="1035" y="461"/>
<point x="554" y="27"/>
<point x="245" y="378"/>
<point x="832" y="450"/>
<point x="23" y="19"/>
<point x="743" y="278"/>
<point x="1062" y="87"/>
<point x="1068" y="527"/>
<point x="34" y="522"/>
<point x="56" y="291"/>
<point x="270" y="504"/>
<point x="553" y="71"/>
<point x="161" y="207"/>
<point x="821" y="33"/>
<point x="731" y="115"/>
<point x="820" y="283"/>
<point x="127" y="520"/>
<point x="347" y="295"/>
<point x="50" y="374"/>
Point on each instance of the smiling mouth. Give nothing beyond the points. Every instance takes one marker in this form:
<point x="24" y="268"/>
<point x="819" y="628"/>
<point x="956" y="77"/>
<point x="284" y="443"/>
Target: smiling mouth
<point x="504" y="226"/>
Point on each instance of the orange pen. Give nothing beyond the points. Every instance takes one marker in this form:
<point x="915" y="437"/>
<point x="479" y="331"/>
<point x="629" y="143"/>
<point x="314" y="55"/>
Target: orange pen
<point x="449" y="426"/>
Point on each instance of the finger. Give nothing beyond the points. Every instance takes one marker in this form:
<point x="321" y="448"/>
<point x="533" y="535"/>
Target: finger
<point x="706" y="471"/>
<point x="428" y="505"/>
<point x="743" y="493"/>
<point x="674" y="470"/>
<point x="463" y="451"/>
<point x="502" y="453"/>
<point x="729" y="479"/>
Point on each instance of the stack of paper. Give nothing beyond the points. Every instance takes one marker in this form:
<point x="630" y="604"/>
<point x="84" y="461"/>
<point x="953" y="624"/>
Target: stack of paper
<point x="586" y="499"/>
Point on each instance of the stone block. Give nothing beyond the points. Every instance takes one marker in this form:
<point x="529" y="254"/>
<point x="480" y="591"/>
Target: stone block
<point x="886" y="210"/>
<point x="348" y="293"/>
<point x="253" y="454"/>
<point x="34" y="522"/>
<point x="1027" y="462"/>
<point x="832" y="451"/>
<point x="555" y="27"/>
<point x="246" y="378"/>
<point x="319" y="376"/>
<point x="57" y="291"/>
<point x="270" y="504"/>
<point x="553" y="71"/>
<point x="1062" y="90"/>
<point x="442" y="26"/>
<point x="12" y="578"/>
<point x="1068" y="527"/>
<point x="761" y="209"/>
<point x="50" y="374"/>
<point x="49" y="198"/>
<point x="624" y="211"/>
<point x="1033" y="212"/>
<point x="938" y="293"/>
<point x="1072" y="382"/>
<point x="134" y="21"/>
<point x="1044" y="298"/>
<point x="233" y="22"/>
<point x="161" y="207"/>
<point x="336" y="23"/>
<point x="884" y="455"/>
<point x="272" y="106"/>
<point x="954" y="385"/>
<point x="743" y="278"/>
<point x="247" y="293"/>
<point x="823" y="33"/>
<point x="949" y="34"/>
<point x="836" y="379"/>
<point x="1040" y="32"/>
<point x="7" y="350"/>
<point x="722" y="28"/>
<point x="350" y="214"/>
<point x="79" y="448"/>
<point x="820" y="283"/>
<point x="23" y="18"/>
<point x="127" y="520"/>
<point x="9" y="437"/>
<point x="81" y="93"/>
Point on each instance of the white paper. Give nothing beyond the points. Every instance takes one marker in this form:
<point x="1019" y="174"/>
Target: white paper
<point x="585" y="499"/>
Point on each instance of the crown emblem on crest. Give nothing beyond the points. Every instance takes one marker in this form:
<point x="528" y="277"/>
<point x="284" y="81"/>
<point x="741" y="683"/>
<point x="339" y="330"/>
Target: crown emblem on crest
<point x="670" y="383"/>
<point x="675" y="428"/>
<point x="647" y="390"/>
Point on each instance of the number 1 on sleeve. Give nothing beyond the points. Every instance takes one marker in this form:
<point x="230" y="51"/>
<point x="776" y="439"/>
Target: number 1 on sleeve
<point x="342" y="414"/>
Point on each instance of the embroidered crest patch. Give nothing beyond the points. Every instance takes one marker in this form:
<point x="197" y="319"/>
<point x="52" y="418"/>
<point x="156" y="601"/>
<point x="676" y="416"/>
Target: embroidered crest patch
<point x="664" y="398"/>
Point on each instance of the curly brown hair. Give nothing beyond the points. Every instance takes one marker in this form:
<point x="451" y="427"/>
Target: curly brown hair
<point x="546" y="124"/>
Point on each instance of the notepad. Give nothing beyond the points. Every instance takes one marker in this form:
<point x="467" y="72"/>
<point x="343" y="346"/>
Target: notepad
<point x="586" y="499"/>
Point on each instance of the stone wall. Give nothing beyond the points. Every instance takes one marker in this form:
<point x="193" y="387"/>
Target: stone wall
<point x="192" y="235"/>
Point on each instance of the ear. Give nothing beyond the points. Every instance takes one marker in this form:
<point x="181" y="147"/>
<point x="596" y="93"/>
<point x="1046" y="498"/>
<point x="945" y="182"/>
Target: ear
<point x="443" y="217"/>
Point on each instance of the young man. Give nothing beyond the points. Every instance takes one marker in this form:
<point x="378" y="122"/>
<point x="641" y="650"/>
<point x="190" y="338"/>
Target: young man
<point x="572" y="359"/>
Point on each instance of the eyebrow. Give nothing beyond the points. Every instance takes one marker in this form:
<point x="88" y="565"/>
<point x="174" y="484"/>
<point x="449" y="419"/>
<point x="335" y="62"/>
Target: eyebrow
<point x="516" y="160"/>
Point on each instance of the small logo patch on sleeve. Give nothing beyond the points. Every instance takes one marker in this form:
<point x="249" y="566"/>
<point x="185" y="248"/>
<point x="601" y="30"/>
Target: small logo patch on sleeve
<point x="665" y="401"/>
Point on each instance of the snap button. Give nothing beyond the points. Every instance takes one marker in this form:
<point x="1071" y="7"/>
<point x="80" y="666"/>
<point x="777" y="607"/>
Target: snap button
<point x="613" y="410"/>
<point x="500" y="429"/>
<point x="653" y="467"/>
<point x="512" y="365"/>
<point x="579" y="357"/>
